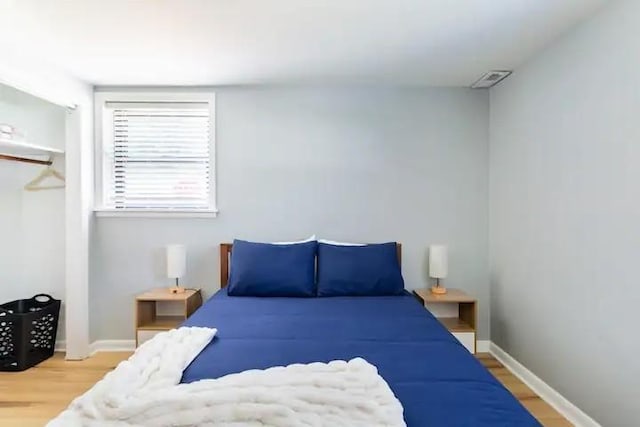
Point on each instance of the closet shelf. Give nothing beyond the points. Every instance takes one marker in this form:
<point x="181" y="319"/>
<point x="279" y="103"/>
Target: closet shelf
<point x="19" y="148"/>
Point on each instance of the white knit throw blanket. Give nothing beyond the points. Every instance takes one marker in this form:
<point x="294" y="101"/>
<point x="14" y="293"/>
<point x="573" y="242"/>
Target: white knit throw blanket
<point x="146" y="391"/>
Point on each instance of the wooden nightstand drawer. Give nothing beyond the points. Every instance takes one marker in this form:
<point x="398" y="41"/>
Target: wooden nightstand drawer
<point x="145" y="335"/>
<point x="467" y="339"/>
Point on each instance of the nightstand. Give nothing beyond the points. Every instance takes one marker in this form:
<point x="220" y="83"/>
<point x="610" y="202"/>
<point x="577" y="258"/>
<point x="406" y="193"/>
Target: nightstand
<point x="160" y="310"/>
<point x="456" y="310"/>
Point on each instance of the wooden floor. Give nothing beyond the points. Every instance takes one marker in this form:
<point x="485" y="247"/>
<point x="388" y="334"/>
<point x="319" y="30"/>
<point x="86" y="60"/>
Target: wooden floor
<point x="547" y="416"/>
<point x="33" y="397"/>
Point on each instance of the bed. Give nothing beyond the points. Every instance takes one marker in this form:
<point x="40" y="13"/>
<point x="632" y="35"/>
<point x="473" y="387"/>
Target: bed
<point x="438" y="382"/>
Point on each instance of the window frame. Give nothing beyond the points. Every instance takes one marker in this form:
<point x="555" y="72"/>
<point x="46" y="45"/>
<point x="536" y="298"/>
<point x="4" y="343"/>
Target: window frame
<point x="100" y="118"/>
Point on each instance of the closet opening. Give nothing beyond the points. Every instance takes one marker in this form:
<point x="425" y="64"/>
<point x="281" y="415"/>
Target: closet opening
<point x="32" y="198"/>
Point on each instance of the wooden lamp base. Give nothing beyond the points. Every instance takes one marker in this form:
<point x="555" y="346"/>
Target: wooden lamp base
<point x="438" y="290"/>
<point x="177" y="290"/>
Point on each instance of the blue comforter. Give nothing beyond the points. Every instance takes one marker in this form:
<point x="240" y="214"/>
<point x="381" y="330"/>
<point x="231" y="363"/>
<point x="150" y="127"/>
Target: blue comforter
<point x="437" y="381"/>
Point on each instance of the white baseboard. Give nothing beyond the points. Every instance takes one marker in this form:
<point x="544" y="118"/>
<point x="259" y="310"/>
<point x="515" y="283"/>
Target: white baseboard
<point x="483" y="346"/>
<point x="102" y="345"/>
<point x="112" y="345"/>
<point x="542" y="389"/>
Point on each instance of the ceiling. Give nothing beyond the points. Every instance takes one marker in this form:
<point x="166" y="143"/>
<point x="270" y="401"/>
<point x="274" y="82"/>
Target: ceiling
<point x="220" y="42"/>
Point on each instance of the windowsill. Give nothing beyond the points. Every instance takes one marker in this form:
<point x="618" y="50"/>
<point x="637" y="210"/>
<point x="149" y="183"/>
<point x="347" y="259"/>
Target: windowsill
<point x="155" y="213"/>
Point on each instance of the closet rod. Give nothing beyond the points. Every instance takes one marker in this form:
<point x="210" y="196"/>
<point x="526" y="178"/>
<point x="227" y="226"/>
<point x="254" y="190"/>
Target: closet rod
<point x="25" y="160"/>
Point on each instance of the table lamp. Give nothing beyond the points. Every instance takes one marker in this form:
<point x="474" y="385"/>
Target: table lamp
<point x="438" y="267"/>
<point x="176" y="266"/>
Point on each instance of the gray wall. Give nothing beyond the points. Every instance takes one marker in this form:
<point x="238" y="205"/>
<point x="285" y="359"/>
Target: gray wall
<point x="564" y="208"/>
<point x="355" y="164"/>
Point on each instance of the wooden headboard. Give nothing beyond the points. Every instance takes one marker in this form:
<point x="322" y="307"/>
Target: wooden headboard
<point x="225" y="261"/>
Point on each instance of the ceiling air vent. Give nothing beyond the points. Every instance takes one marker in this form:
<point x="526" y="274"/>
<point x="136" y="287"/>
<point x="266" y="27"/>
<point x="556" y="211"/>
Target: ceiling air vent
<point x="491" y="79"/>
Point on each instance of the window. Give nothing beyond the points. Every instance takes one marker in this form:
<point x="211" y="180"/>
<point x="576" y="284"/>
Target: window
<point x="156" y="155"/>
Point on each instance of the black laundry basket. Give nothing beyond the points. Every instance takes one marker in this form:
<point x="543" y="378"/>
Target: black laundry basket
<point x="28" y="329"/>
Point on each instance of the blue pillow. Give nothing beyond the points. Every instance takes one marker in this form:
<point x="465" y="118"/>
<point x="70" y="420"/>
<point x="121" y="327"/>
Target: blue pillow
<point x="265" y="270"/>
<point x="359" y="270"/>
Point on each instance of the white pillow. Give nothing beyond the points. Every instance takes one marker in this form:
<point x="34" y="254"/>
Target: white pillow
<point x="332" y="242"/>
<point x="307" y="240"/>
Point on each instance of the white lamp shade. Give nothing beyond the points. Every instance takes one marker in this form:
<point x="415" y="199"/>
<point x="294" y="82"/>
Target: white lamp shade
<point x="438" y="263"/>
<point x="176" y="261"/>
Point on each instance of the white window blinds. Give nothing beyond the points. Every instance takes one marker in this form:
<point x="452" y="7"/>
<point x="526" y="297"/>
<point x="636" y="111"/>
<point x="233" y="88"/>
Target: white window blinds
<point x="157" y="156"/>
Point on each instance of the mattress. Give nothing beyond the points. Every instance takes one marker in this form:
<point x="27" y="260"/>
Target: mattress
<point x="438" y="382"/>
